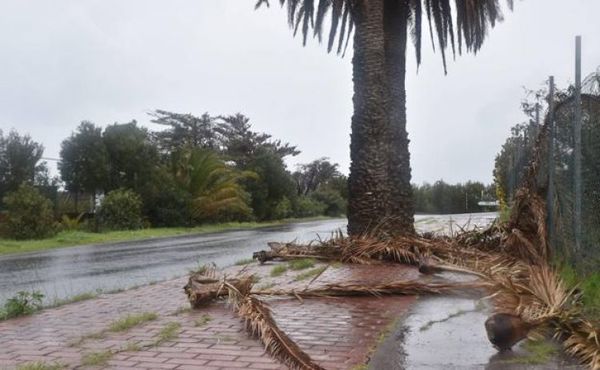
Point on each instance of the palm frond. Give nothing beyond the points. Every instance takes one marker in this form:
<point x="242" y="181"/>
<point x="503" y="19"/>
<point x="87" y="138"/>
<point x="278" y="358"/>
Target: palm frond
<point x="473" y="20"/>
<point x="402" y="287"/>
<point x="259" y="322"/>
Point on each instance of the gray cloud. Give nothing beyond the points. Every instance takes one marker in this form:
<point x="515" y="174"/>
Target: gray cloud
<point x="107" y="61"/>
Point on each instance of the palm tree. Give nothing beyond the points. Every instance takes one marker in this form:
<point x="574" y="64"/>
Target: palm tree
<point x="214" y="186"/>
<point x="380" y="194"/>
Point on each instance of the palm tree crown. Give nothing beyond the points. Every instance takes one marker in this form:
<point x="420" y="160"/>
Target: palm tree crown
<point x="468" y="24"/>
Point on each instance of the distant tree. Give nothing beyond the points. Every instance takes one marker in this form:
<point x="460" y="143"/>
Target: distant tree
<point x="274" y="183"/>
<point x="334" y="204"/>
<point x="215" y="187"/>
<point x="185" y="130"/>
<point x="311" y="176"/>
<point x="444" y="198"/>
<point x="20" y="161"/>
<point x="166" y="204"/>
<point x="84" y="165"/>
<point x="133" y="158"/>
<point x="241" y="145"/>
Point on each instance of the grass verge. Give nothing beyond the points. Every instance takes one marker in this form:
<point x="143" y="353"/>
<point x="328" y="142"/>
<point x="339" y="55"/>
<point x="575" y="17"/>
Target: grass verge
<point x="73" y="238"/>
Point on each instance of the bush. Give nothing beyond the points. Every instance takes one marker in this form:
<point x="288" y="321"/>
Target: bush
<point x="30" y="215"/>
<point x="307" y="207"/>
<point x="335" y="205"/>
<point x="283" y="209"/>
<point x="24" y="303"/>
<point x="121" y="209"/>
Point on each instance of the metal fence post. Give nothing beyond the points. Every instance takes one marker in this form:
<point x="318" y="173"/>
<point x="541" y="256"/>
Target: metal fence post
<point x="551" y="165"/>
<point x="577" y="147"/>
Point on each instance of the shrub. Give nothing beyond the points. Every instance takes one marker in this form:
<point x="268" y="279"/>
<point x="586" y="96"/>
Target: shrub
<point x="121" y="209"/>
<point x="23" y="303"/>
<point x="307" y="207"/>
<point x="283" y="209"/>
<point x="68" y="223"/>
<point x="335" y="205"/>
<point x="30" y="215"/>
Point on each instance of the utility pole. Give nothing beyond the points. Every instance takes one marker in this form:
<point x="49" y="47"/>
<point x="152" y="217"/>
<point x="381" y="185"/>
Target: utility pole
<point x="551" y="165"/>
<point x="577" y="146"/>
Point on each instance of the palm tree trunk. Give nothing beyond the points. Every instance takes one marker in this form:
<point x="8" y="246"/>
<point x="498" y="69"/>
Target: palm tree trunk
<point x="369" y="188"/>
<point x="396" y="14"/>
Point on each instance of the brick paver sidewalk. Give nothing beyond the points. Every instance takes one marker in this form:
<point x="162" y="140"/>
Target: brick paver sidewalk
<point x="336" y="333"/>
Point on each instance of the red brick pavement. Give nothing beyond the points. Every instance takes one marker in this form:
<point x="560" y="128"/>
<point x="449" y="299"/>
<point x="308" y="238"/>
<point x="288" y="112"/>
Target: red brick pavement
<point x="336" y="333"/>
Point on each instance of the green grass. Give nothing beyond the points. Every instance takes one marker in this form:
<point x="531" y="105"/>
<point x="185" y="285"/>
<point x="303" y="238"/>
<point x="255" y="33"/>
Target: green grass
<point x="131" y="347"/>
<point x="129" y="321"/>
<point x="301" y="264"/>
<point x="203" y="320"/>
<point x="182" y="310"/>
<point x="278" y="270"/>
<point x="74" y="299"/>
<point x="538" y="353"/>
<point x="589" y="285"/>
<point x="74" y="237"/>
<point x="40" y="365"/>
<point x="245" y="261"/>
<point x="96" y="358"/>
<point x="310" y="273"/>
<point x="168" y="332"/>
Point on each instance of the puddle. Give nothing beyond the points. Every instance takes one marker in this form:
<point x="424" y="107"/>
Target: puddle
<point x="448" y="332"/>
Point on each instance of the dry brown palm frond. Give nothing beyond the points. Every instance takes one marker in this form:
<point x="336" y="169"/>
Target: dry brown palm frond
<point x="404" y="287"/>
<point x="259" y="322"/>
<point x="204" y="287"/>
<point x="582" y="340"/>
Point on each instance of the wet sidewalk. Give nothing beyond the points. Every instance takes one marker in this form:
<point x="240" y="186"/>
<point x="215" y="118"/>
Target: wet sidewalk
<point x="337" y="333"/>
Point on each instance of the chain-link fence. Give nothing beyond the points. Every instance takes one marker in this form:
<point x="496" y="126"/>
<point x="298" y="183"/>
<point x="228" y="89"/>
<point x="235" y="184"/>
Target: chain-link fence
<point x="575" y="233"/>
<point x="572" y="194"/>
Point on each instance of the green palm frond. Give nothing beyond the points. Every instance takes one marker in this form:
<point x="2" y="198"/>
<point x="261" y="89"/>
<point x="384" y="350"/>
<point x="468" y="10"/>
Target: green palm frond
<point x="469" y="23"/>
<point x="215" y="187"/>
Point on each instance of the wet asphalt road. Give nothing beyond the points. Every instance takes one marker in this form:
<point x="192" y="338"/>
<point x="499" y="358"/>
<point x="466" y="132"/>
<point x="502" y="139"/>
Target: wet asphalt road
<point x="62" y="273"/>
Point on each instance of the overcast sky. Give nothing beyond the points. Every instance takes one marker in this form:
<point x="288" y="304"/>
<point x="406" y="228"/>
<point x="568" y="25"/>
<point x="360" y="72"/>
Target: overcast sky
<point x="115" y="60"/>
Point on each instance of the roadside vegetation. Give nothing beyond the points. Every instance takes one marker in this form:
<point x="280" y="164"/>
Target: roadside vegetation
<point x="122" y="182"/>
<point x="589" y="287"/>
<point x="80" y="237"/>
<point x="22" y="304"/>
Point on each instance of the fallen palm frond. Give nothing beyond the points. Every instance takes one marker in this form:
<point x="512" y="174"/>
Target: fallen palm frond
<point x="205" y="286"/>
<point x="581" y="340"/>
<point x="259" y="321"/>
<point x="405" y="287"/>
